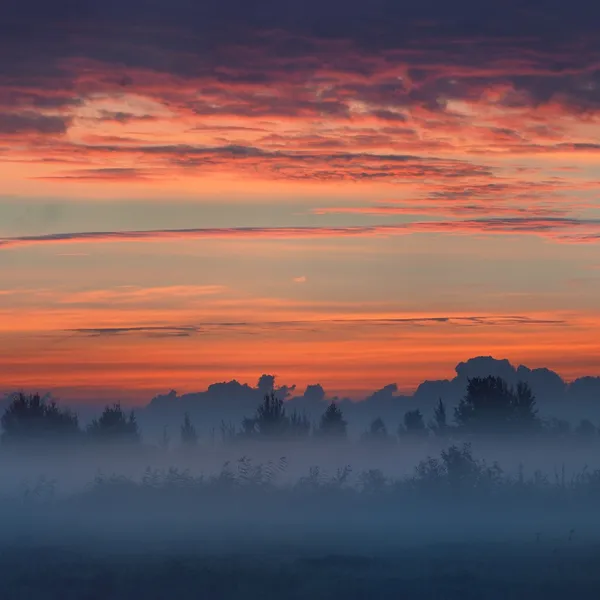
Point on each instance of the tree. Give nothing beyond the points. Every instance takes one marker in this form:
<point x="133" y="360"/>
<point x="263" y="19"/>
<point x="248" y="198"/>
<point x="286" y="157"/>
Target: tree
<point x="413" y="424"/>
<point x="524" y="414"/>
<point x="439" y="425"/>
<point x="114" y="426"/>
<point x="30" y="417"/>
<point x="248" y="429"/>
<point x="270" y="416"/>
<point x="165" y="439"/>
<point x="269" y="420"/>
<point x="228" y="433"/>
<point x="332" y="423"/>
<point x="189" y="436"/>
<point x="299" y="425"/>
<point x="491" y="406"/>
<point x="377" y="432"/>
<point x="456" y="470"/>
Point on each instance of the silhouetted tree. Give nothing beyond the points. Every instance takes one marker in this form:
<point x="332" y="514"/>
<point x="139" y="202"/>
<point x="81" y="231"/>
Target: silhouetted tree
<point x="332" y="424"/>
<point x="228" y="433"/>
<point x="586" y="429"/>
<point x="524" y="412"/>
<point x="114" y="426"/>
<point x="299" y="425"/>
<point x="189" y="436"/>
<point x="456" y="470"/>
<point x="270" y="419"/>
<point x="439" y="425"/>
<point x="413" y="424"/>
<point x="166" y="438"/>
<point x="377" y="432"/>
<point x="464" y="471"/>
<point x="30" y="417"/>
<point x="270" y="416"/>
<point x="491" y="406"/>
<point x="248" y="427"/>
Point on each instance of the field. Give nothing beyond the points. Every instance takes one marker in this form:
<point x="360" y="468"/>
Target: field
<point x="454" y="526"/>
<point x="532" y="570"/>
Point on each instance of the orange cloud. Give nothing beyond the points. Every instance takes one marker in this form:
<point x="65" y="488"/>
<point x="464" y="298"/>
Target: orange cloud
<point x="563" y="229"/>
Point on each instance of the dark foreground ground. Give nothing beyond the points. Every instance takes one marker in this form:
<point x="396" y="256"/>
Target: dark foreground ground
<point x="545" y="569"/>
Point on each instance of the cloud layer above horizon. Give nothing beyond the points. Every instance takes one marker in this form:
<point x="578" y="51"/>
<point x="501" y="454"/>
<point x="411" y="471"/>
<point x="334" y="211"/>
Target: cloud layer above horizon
<point x="363" y="192"/>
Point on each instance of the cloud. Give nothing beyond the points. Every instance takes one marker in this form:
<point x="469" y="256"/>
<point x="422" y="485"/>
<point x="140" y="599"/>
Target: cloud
<point x="145" y="331"/>
<point x="212" y="327"/>
<point x="122" y="117"/>
<point x="21" y="123"/>
<point x="18" y="99"/>
<point x="449" y="209"/>
<point x="389" y="115"/>
<point x="140" y="295"/>
<point x="556" y="228"/>
<point x="301" y="279"/>
<point x="277" y="164"/>
<point x="198" y="233"/>
<point x="522" y="81"/>
<point x="102" y="174"/>
<point x="474" y="116"/>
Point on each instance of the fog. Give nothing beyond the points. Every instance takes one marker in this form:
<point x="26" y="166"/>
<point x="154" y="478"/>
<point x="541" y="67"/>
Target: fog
<point x="300" y="520"/>
<point x="72" y="471"/>
<point x="324" y="494"/>
<point x="486" y="500"/>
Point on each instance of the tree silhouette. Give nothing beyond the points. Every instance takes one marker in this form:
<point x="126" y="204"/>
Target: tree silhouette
<point x="269" y="420"/>
<point x="189" y="436"/>
<point x="270" y="417"/>
<point x="377" y="432"/>
<point x="457" y="470"/>
<point x="524" y="411"/>
<point x="299" y="425"/>
<point x="30" y="417"/>
<point x="332" y="424"/>
<point x="248" y="429"/>
<point x="165" y="440"/>
<point x="459" y="464"/>
<point x="413" y="424"/>
<point x="228" y="433"/>
<point x="114" y="426"/>
<point x="439" y="425"/>
<point x="491" y="406"/>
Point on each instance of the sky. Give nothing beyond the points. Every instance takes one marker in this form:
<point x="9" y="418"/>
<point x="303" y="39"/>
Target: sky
<point x="336" y="192"/>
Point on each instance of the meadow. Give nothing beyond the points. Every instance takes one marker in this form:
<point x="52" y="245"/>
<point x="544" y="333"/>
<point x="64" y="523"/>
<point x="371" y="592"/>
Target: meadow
<point x="504" y="509"/>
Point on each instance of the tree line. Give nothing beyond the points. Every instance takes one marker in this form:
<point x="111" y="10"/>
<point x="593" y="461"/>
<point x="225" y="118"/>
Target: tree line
<point x="30" y="418"/>
<point x="490" y="406"/>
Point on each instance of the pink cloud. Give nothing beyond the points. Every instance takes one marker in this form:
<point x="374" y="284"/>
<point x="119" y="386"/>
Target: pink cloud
<point x="559" y="229"/>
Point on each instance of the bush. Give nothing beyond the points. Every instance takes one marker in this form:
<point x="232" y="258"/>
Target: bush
<point x="30" y="418"/>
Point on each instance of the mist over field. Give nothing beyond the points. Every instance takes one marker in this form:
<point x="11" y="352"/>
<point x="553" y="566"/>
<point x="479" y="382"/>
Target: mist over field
<point x="481" y="495"/>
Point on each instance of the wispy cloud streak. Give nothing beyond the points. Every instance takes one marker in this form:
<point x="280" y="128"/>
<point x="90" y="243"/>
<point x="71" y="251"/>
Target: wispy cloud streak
<point x="557" y="228"/>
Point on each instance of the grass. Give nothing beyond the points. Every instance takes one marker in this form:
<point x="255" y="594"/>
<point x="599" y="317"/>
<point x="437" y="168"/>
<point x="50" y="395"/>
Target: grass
<point x="483" y="571"/>
<point x="456" y="528"/>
